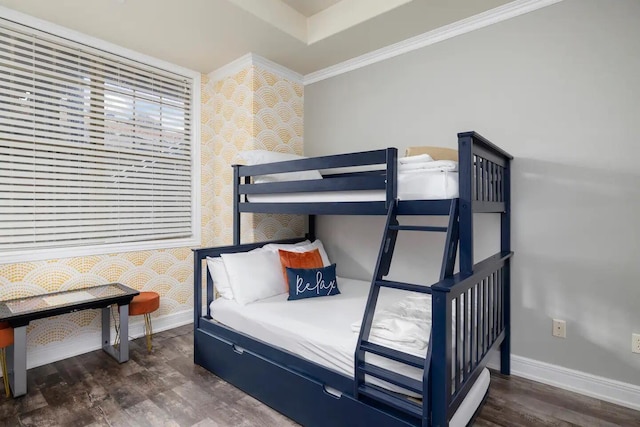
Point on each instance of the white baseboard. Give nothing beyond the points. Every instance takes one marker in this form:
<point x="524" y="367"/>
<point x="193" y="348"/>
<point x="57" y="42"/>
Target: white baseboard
<point x="606" y="389"/>
<point x="93" y="341"/>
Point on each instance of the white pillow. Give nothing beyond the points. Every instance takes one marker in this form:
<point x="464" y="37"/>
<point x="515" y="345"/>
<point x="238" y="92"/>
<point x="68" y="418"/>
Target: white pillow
<point x="301" y="248"/>
<point x="254" y="275"/>
<point x="220" y="277"/>
<point x="285" y="246"/>
<point x="259" y="157"/>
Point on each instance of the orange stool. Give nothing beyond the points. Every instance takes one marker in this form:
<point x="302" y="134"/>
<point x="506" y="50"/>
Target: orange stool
<point x="145" y="304"/>
<point x="6" y="339"/>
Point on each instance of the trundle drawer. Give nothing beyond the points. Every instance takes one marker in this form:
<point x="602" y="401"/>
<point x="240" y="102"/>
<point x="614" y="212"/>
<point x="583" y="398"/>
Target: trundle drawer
<point x="303" y="399"/>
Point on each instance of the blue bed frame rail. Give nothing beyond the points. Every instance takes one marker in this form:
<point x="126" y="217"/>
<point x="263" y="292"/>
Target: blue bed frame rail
<point x="382" y="178"/>
<point x="471" y="309"/>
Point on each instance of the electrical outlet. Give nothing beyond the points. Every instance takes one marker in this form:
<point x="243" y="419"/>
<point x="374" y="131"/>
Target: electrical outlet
<point x="635" y="343"/>
<point x="559" y="328"/>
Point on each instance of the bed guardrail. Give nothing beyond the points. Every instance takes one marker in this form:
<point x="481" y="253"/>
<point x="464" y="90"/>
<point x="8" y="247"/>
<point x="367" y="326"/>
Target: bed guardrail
<point x="382" y="179"/>
<point x="363" y="158"/>
<point x="470" y="318"/>
<point x="378" y="179"/>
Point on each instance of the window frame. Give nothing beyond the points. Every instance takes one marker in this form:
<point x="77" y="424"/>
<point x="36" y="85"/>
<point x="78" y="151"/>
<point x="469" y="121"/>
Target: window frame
<point x="27" y="255"/>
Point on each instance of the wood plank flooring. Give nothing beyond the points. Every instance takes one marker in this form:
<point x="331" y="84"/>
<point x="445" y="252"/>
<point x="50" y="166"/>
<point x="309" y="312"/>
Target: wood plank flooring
<point x="165" y="388"/>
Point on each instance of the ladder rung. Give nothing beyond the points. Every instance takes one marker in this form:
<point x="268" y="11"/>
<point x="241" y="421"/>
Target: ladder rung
<point x="418" y="228"/>
<point x="401" y="403"/>
<point x="392" y="354"/>
<point x="393" y="377"/>
<point x="404" y="286"/>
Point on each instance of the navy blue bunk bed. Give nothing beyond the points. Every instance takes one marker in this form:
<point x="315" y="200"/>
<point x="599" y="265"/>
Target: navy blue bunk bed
<point x="476" y="299"/>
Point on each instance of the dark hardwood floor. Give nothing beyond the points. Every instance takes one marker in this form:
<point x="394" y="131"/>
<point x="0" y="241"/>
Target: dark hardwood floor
<point x="165" y="388"/>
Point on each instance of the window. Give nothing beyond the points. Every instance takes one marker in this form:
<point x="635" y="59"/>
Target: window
<point x="97" y="151"/>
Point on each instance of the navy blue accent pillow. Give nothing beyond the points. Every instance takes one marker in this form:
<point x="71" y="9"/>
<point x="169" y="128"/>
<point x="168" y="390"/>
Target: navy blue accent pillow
<point x="312" y="282"/>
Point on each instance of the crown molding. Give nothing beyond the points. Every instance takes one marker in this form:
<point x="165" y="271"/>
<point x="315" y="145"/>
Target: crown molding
<point x="277" y="69"/>
<point x="481" y="20"/>
<point x="251" y="59"/>
<point x="233" y="67"/>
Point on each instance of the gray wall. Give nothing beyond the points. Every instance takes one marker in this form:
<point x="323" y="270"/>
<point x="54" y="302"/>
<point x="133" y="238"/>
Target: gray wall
<point x="559" y="88"/>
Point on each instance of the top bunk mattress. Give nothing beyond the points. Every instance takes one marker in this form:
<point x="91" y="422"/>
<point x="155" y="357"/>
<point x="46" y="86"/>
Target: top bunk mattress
<point x="412" y="185"/>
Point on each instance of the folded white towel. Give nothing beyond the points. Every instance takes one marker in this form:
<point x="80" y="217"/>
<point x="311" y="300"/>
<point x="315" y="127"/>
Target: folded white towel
<point x="441" y="165"/>
<point x="404" y="325"/>
<point x="415" y="159"/>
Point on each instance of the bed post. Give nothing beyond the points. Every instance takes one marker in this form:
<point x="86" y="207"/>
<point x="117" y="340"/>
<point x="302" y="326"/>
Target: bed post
<point x="197" y="289"/>
<point x="311" y="233"/>
<point x="505" y="246"/>
<point x="440" y="392"/>
<point x="392" y="176"/>
<point x="210" y="294"/>
<point x="236" y="205"/>
<point x="465" y="164"/>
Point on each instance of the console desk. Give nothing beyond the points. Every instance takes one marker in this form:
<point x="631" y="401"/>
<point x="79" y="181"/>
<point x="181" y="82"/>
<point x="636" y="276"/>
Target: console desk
<point x="19" y="312"/>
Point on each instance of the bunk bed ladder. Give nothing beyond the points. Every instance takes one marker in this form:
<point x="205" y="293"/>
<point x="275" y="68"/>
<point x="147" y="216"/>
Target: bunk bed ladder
<point x="362" y="368"/>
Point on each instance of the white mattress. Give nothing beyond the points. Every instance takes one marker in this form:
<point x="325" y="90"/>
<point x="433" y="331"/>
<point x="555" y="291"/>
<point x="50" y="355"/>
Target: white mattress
<point x="319" y="330"/>
<point x="414" y="185"/>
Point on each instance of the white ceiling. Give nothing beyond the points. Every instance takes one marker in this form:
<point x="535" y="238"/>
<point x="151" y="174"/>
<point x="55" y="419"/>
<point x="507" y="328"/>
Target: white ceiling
<point x="204" y="35"/>
<point x="310" y="7"/>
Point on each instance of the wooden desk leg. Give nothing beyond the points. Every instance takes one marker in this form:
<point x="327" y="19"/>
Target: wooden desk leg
<point x="17" y="361"/>
<point x="121" y="353"/>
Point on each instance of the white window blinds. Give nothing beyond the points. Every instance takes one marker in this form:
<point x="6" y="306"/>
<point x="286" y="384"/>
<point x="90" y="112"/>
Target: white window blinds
<point x="95" y="148"/>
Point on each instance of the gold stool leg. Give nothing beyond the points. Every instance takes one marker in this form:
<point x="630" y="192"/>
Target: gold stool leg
<point x="5" y="374"/>
<point x="148" y="331"/>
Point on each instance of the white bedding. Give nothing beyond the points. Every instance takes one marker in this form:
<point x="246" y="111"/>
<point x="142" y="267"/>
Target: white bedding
<point x="304" y="328"/>
<point x="324" y="336"/>
<point x="404" y="325"/>
<point x="412" y="185"/>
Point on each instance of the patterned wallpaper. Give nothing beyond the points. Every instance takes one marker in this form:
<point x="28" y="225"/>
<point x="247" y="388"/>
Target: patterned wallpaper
<point x="168" y="272"/>
<point x="253" y="109"/>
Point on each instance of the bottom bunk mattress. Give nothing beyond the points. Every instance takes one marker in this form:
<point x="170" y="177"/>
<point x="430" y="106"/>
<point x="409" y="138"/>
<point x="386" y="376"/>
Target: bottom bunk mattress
<point x="321" y="330"/>
<point x="413" y="185"/>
